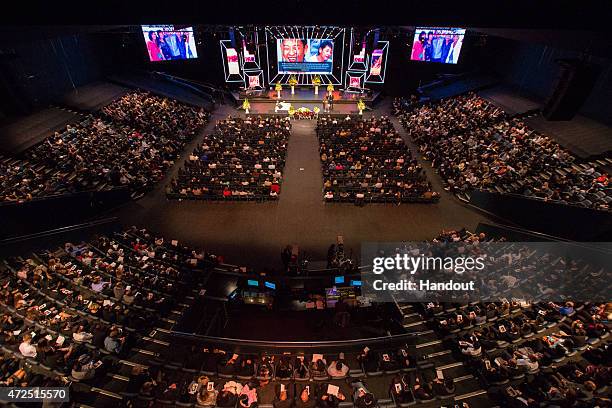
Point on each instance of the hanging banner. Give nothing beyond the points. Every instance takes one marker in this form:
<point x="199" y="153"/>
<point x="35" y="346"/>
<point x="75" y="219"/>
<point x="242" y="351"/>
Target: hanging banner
<point x="232" y="62"/>
<point x="376" y="64"/>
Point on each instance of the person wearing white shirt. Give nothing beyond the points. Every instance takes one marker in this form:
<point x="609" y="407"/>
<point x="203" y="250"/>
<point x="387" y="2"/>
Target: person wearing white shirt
<point x="26" y="348"/>
<point x="337" y="369"/>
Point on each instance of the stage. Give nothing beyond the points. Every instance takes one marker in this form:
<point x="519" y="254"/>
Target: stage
<point x="344" y="102"/>
<point x="268" y="108"/>
<point x="307" y="95"/>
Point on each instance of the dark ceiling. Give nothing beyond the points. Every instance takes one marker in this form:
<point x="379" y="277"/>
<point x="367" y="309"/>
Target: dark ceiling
<point x="584" y="14"/>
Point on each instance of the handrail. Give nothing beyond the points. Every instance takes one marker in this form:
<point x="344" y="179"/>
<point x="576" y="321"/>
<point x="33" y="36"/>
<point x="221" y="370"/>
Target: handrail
<point x="526" y="231"/>
<point x="186" y="83"/>
<point x="544" y="200"/>
<point x="591" y="246"/>
<point x="323" y="274"/>
<point x="298" y="344"/>
<point x="60" y="195"/>
<point x="57" y="231"/>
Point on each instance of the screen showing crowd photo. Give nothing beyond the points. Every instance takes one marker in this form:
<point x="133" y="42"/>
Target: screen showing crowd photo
<point x="437" y="44"/>
<point x="168" y="42"/>
<point x="313" y="56"/>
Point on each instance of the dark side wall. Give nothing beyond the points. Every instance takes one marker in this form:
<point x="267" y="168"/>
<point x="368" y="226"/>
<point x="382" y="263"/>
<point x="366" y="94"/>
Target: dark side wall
<point x="37" y="72"/>
<point x="533" y="69"/>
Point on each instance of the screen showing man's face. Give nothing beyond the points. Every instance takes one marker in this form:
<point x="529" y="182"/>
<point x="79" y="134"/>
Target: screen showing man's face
<point x="293" y="50"/>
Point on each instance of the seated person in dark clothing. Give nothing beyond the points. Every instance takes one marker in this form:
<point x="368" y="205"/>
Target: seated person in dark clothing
<point x="330" y="396"/>
<point x="601" y="355"/>
<point x="284" y="369"/>
<point x="422" y="390"/>
<point x="284" y="396"/>
<point x="227" y="399"/>
<point x="301" y="369"/>
<point x="400" y="389"/>
<point x="246" y="367"/>
<point x="212" y="358"/>
<point x="306" y="399"/>
<point x="368" y="360"/>
<point x="138" y="377"/>
<point x="229" y="364"/>
<point x="403" y="358"/>
<point x="443" y="387"/>
<point x="318" y="368"/>
<point x="99" y="334"/>
<point x="388" y="361"/>
<point x="364" y="398"/>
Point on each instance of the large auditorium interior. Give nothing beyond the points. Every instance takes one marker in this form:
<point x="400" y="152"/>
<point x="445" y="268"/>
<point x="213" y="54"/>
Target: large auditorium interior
<point x="302" y="204"/>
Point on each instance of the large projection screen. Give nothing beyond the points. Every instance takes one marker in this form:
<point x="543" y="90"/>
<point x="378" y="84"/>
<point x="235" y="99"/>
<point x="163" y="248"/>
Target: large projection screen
<point x="169" y="43"/>
<point x="311" y="56"/>
<point x="437" y="44"/>
<point x="305" y="52"/>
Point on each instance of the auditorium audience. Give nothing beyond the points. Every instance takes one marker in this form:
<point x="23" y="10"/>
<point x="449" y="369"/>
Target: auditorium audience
<point x="538" y="352"/>
<point x="474" y="145"/>
<point x="243" y="159"/>
<point x="366" y="160"/>
<point x="132" y="143"/>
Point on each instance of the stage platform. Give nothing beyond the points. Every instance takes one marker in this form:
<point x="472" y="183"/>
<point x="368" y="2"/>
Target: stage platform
<point x="92" y="97"/>
<point x="307" y="95"/>
<point x="268" y="108"/>
<point x="19" y="134"/>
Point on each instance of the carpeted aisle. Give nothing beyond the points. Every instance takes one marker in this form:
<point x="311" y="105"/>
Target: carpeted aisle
<point x="301" y="197"/>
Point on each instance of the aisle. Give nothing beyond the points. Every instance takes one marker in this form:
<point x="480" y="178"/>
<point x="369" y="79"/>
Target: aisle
<point x="301" y="198"/>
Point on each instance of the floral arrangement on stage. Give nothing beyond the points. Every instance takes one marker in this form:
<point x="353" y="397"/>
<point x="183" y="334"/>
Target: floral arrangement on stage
<point x="361" y="106"/>
<point x="303" y="113"/>
<point x="316" y="110"/>
<point x="278" y="88"/>
<point x="316" y="81"/>
<point x="246" y="105"/>
<point x="292" y="82"/>
<point x="330" y="88"/>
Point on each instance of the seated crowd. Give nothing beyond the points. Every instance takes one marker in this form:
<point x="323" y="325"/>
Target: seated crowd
<point x="243" y="159"/>
<point x="164" y="117"/>
<point x="120" y="148"/>
<point x="528" y="353"/>
<point x="366" y="160"/>
<point x="80" y="313"/>
<point x="474" y="145"/>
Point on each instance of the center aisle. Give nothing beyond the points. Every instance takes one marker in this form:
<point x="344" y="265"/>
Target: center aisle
<point x="301" y="199"/>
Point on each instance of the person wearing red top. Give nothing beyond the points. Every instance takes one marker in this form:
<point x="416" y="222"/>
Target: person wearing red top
<point x="275" y="187"/>
<point x="418" y="48"/>
<point x="227" y="192"/>
<point x="155" y="53"/>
